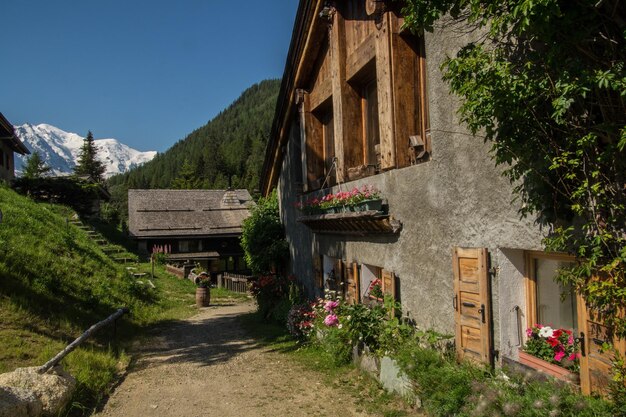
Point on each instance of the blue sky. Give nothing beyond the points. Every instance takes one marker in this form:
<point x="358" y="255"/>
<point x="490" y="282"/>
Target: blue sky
<point x="146" y="72"/>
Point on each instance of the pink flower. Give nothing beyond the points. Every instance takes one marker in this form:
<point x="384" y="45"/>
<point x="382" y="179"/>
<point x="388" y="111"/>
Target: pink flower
<point x="573" y="356"/>
<point x="331" y="305"/>
<point x="529" y="332"/>
<point x="559" y="355"/>
<point x="331" y="320"/>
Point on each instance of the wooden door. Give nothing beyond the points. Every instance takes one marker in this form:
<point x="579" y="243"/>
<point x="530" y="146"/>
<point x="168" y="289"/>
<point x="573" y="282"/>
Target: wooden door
<point x="595" y="363"/>
<point x="352" y="283"/>
<point x="472" y="304"/>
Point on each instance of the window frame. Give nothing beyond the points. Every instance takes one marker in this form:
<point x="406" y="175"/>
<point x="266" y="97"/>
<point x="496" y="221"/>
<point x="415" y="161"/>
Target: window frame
<point x="531" y="281"/>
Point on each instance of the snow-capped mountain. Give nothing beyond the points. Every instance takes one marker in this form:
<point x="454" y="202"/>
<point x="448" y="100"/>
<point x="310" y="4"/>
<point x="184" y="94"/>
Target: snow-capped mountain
<point x="60" y="149"/>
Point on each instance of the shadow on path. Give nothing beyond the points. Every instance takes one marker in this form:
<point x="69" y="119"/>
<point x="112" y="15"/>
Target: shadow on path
<point x="202" y="341"/>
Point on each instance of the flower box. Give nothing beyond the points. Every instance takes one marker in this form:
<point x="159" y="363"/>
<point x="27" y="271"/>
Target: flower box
<point x="376" y="205"/>
<point x="548" y="368"/>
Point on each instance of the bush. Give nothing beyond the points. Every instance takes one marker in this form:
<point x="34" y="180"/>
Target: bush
<point x="263" y="237"/>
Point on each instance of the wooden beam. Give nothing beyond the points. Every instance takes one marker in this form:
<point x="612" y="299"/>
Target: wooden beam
<point x="385" y="95"/>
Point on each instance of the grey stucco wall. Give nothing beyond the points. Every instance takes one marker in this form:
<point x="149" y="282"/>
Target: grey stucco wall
<point x="458" y="198"/>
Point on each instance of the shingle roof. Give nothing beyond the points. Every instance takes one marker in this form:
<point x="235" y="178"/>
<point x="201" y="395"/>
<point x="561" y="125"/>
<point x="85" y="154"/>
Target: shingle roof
<point x="154" y="213"/>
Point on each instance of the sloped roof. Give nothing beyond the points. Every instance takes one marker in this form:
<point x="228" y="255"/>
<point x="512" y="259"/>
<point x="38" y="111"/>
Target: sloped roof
<point x="180" y="213"/>
<point x="7" y="133"/>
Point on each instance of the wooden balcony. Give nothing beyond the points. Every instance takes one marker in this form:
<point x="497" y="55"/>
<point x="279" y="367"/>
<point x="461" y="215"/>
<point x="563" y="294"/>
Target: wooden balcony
<point x="359" y="223"/>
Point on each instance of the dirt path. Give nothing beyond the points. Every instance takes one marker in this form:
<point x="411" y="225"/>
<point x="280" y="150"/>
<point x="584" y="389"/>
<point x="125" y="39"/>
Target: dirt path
<point x="209" y="366"/>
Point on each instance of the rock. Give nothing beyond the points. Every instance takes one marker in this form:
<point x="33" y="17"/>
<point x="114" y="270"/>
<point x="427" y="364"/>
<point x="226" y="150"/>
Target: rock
<point x="393" y="379"/>
<point x="19" y="402"/>
<point x="54" y="388"/>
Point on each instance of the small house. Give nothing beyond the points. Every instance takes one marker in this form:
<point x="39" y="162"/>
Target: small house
<point x="192" y="226"/>
<point x="9" y="145"/>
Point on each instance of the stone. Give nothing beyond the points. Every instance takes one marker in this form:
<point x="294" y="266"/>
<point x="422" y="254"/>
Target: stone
<point x="19" y="402"/>
<point x="54" y="389"/>
<point x="369" y="363"/>
<point x="394" y="380"/>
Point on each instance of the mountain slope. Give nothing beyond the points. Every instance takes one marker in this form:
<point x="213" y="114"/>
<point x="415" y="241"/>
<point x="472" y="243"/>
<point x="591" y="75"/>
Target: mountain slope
<point x="60" y="149"/>
<point x="231" y="145"/>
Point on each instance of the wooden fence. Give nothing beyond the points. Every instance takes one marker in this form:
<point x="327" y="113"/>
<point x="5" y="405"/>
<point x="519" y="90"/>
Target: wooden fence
<point x="235" y="282"/>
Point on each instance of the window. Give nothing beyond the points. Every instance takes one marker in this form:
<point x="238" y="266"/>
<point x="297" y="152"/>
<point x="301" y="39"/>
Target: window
<point x="1" y="157"/>
<point x="8" y="160"/>
<point x="185" y="246"/>
<point x="549" y="303"/>
<point x="371" y="133"/>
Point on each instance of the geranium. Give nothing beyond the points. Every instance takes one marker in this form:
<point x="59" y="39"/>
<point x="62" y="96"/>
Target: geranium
<point x="339" y="199"/>
<point x="556" y="346"/>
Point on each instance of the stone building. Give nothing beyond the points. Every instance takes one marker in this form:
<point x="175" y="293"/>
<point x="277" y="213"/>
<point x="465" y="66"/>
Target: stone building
<point x="9" y="145"/>
<point x="363" y="103"/>
<point x="197" y="226"/>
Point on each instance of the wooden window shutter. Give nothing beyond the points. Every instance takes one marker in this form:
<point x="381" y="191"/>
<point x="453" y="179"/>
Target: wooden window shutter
<point x="352" y="284"/>
<point x="389" y="283"/>
<point x="595" y="364"/>
<point x="319" y="271"/>
<point x="472" y="304"/>
<point x="312" y="140"/>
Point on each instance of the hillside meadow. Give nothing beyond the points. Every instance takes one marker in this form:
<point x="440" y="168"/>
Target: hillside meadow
<point x="55" y="282"/>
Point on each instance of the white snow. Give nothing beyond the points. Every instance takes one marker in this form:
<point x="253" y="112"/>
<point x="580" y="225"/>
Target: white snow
<point x="60" y="149"/>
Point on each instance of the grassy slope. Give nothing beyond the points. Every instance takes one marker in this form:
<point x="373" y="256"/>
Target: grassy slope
<point x="55" y="282"/>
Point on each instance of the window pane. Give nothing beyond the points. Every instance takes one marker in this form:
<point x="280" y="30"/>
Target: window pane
<point x="556" y="305"/>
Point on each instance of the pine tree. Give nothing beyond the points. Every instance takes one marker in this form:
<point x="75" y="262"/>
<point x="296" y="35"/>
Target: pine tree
<point x="88" y="163"/>
<point x="35" y="167"/>
<point x="187" y="178"/>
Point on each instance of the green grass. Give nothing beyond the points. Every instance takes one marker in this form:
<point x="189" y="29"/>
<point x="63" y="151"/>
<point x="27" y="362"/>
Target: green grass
<point x="366" y="391"/>
<point x="55" y="282"/>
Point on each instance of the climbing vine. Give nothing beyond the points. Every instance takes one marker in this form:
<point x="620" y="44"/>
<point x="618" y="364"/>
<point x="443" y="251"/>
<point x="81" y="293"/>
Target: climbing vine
<point x="545" y="83"/>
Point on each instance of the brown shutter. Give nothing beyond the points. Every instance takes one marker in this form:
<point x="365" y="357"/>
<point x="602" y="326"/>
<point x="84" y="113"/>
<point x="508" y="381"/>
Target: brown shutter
<point x="389" y="287"/>
<point x="472" y="305"/>
<point x="389" y="283"/>
<point x="319" y="271"/>
<point x="352" y="283"/>
<point x="595" y="364"/>
<point x="314" y="145"/>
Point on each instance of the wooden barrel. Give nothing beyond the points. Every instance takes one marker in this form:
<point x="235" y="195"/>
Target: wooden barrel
<point x="203" y="297"/>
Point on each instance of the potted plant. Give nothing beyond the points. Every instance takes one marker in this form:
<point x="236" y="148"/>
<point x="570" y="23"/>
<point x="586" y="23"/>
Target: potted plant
<point x="203" y="290"/>
<point x="553" y="351"/>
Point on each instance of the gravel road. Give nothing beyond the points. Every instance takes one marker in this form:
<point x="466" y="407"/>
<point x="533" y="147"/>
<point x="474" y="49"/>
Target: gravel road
<point x="209" y="366"/>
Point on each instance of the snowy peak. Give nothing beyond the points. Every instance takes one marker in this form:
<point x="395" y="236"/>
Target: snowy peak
<point x="60" y="150"/>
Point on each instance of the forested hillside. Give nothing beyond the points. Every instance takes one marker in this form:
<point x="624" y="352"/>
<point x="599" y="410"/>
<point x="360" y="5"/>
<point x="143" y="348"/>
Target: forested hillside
<point x="232" y="144"/>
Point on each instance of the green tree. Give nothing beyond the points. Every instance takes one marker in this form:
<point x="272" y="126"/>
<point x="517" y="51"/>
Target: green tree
<point x="263" y="236"/>
<point x="88" y="162"/>
<point x="187" y="178"/>
<point x="546" y="87"/>
<point x="35" y="167"/>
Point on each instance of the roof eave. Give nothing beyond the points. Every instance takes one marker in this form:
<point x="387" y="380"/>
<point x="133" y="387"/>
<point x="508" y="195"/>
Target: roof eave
<point x="301" y="37"/>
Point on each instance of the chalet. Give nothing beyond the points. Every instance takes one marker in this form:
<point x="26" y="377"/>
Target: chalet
<point x="194" y="226"/>
<point x="363" y="103"/>
<point x="9" y="144"/>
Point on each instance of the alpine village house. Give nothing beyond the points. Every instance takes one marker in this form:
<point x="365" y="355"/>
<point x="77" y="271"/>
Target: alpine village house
<point x="192" y="226"/>
<point x="363" y="103"/>
<point x="9" y="145"/>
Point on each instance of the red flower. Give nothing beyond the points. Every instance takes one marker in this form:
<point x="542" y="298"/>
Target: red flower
<point x="553" y="341"/>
